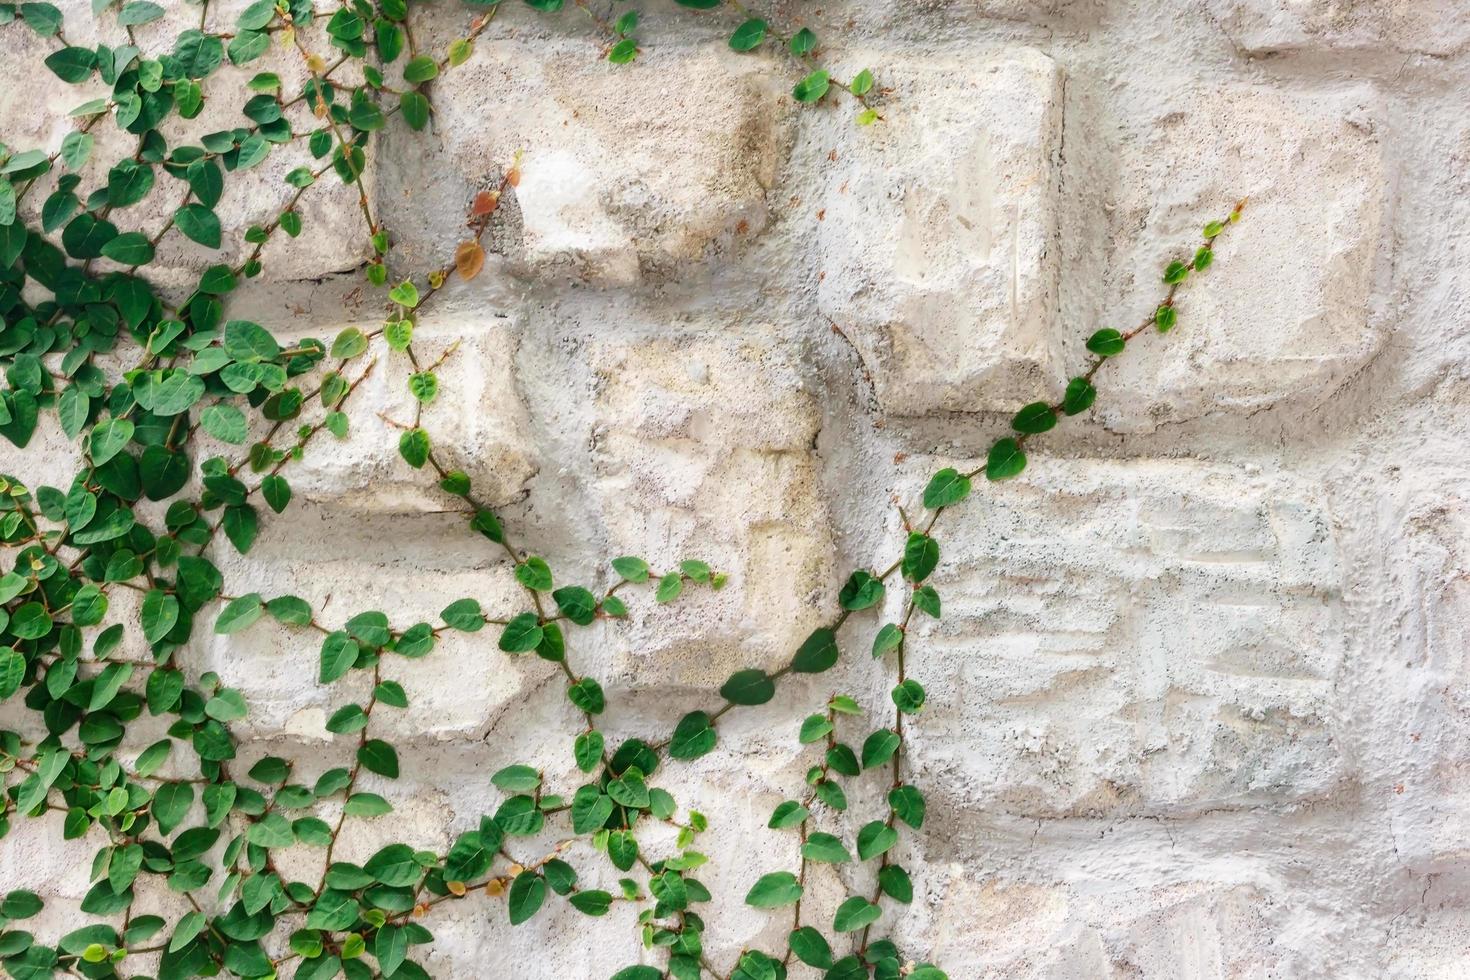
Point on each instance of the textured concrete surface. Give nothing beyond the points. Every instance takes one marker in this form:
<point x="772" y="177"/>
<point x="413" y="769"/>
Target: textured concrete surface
<point x="1197" y="704"/>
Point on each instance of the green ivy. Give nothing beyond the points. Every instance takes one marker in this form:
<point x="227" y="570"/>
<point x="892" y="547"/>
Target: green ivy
<point x="186" y="454"/>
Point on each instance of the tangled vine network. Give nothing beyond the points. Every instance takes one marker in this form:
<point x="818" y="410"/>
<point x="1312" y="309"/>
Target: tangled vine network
<point x="78" y="304"/>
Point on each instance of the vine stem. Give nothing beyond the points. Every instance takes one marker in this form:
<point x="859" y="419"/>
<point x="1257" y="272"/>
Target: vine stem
<point x="1021" y="439"/>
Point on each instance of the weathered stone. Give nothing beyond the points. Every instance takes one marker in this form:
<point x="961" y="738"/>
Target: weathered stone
<point x="454" y="691"/>
<point x="1216" y="692"/>
<point x="626" y="169"/>
<point x="938" y="250"/>
<point x="704" y="450"/>
<point x="477" y="421"/>
<point x="1283" y="315"/>
<point x="1432" y="27"/>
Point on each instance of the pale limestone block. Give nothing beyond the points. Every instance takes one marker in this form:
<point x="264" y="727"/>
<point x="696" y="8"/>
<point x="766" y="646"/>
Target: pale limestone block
<point x="1283" y="315"/>
<point x="704" y="449"/>
<point x="1158" y="602"/>
<point x="937" y="247"/>
<point x="478" y="423"/>
<point x="453" y="692"/>
<point x="1426" y="701"/>
<point x="597" y="202"/>
<point x="1432" y="27"/>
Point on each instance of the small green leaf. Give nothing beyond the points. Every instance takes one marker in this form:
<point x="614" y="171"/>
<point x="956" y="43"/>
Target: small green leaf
<point x="774" y="890"/>
<point x="1005" y="460"/>
<point x="948" y="486"/>
<point x="854" y="914"/>
<point x="861" y="591"/>
<point x="405" y="294"/>
<point x="631" y="569"/>
<point x="824" y="847"/>
<point x="1034" y="419"/>
<point x="527" y="892"/>
<point x="1079" y="396"/>
<point x="748" y="687"/>
<point x="522" y="634"/>
<point x="517" y="779"/>
<point x="239" y="613"/>
<point x="812" y="87"/>
<point x="1106" y="343"/>
<point x="817" y="653"/>
<point x="379" y="757"/>
<point x="920" y="557"/>
<point x="748" y="35"/>
<point x="803" y="42"/>
<point x="413" y="446"/>
<point x="875" y="838"/>
<point x="199" y="224"/>
<point x="694" y="736"/>
<point x="909" y="696"/>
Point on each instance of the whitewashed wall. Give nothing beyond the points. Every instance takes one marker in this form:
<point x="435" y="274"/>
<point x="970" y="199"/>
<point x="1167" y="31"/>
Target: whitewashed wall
<point x="1197" y="704"/>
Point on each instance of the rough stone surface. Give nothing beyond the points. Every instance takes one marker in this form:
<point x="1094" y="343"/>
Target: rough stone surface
<point x="938" y="234"/>
<point x="1197" y="703"/>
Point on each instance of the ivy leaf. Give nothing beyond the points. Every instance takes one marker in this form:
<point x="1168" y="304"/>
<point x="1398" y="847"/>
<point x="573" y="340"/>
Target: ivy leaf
<point x="774" y="890"/>
<point x="874" y="839"/>
<point x="948" y="486"/>
<point x="1035" y="418"/>
<point x="1106" y="343"/>
<point x="824" y="847"/>
<point x="748" y="35"/>
<point x="159" y="613"/>
<point x="669" y="587"/>
<point x="415" y="108"/>
<point x="632" y="569"/>
<point x="239" y="614"/>
<point x="888" y="638"/>
<point x="522" y="634"/>
<point x="909" y="697"/>
<point x="405" y="294"/>
<point x="108" y="439"/>
<point x="413" y="446"/>
<point x="339" y="653"/>
<point x="1079" y="396"/>
<point x="517" y="779"/>
<point x="812" y="87"/>
<point x="276" y="491"/>
<point x="896" y="883"/>
<point x="534" y="574"/>
<point x="694" y="736"/>
<point x="576" y="603"/>
<point x="1005" y="460"/>
<point x="817" y="653"/>
<point x="854" y="914"/>
<point x="812" y="948"/>
<point x="861" y="591"/>
<point x="171" y="803"/>
<point x="379" y="757"/>
<point x="879" y="747"/>
<point x="390" y="948"/>
<point x="464" y="615"/>
<point x="198" y="223"/>
<point x="920" y="557"/>
<point x="748" y="687"/>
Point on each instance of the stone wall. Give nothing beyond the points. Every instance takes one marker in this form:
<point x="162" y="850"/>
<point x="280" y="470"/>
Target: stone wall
<point x="1197" y="704"/>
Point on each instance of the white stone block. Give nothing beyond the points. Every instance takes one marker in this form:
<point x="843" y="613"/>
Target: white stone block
<point x="937" y="244"/>
<point x="627" y="170"/>
<point x="1283" y="315"/>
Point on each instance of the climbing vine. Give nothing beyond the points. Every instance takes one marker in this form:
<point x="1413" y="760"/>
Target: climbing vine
<point x="181" y="411"/>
